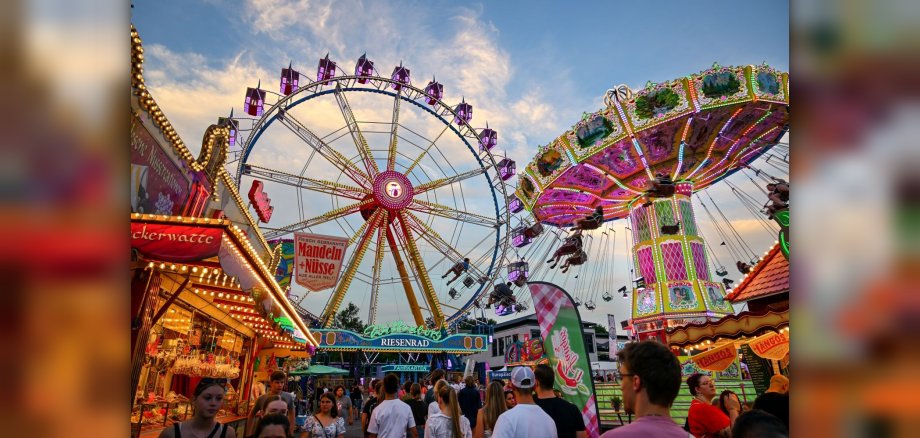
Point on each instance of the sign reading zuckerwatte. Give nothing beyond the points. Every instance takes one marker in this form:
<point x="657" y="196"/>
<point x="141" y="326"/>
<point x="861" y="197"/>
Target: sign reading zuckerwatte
<point x="175" y="243"/>
<point x="350" y="341"/>
<point x="318" y="260"/>
<point x="564" y="346"/>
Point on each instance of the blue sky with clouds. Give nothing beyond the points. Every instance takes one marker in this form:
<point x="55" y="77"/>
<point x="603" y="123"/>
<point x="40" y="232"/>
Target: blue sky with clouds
<point x="531" y="68"/>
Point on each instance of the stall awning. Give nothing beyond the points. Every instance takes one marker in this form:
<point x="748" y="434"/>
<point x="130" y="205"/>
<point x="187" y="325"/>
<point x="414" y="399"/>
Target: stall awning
<point x="744" y="324"/>
<point x="217" y="243"/>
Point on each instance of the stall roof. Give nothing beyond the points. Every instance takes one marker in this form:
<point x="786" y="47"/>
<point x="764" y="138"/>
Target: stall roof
<point x="238" y="257"/>
<point x="769" y="277"/>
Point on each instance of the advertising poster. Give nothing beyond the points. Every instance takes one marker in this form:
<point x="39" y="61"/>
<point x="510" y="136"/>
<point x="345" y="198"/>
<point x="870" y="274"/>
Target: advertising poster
<point x="773" y="346"/>
<point x="286" y="266"/>
<point x="158" y="185"/>
<point x="716" y="359"/>
<point x="318" y="260"/>
<point x="564" y="346"/>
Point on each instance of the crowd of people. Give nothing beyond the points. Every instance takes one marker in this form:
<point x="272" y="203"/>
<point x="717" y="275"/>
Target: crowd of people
<point x="526" y="406"/>
<point x="650" y="379"/>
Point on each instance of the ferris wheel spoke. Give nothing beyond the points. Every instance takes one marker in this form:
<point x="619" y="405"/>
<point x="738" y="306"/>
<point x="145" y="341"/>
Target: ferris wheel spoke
<point x="331" y="155"/>
<point x="451" y="213"/>
<point x="317" y="220"/>
<point x="336" y="299"/>
<point x="438" y="242"/>
<point x="416" y="260"/>
<point x="360" y="142"/>
<point x="443" y="182"/>
<point x="316" y="185"/>
<point x="425" y="152"/>
<point x="375" y="275"/>
<point x="391" y="156"/>
<point x="405" y="279"/>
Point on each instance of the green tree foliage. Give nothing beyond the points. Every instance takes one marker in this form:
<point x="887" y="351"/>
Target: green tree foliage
<point x="470" y="324"/>
<point x="348" y="319"/>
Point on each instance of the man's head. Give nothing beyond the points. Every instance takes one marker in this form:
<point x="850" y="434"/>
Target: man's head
<point x="759" y="424"/>
<point x="470" y="382"/>
<point x="545" y="377"/>
<point x="436" y="375"/>
<point x="277" y="381"/>
<point x="523" y="380"/>
<point x="649" y="370"/>
<point x="779" y="383"/>
<point x="466" y="260"/>
<point x="391" y="384"/>
<point x="508" y="284"/>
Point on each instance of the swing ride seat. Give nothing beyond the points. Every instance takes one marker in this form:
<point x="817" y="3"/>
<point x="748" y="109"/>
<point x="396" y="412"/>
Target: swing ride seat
<point x="588" y="223"/>
<point x="721" y="271"/>
<point x="453" y="293"/>
<point x="468" y="281"/>
<point x="533" y="231"/>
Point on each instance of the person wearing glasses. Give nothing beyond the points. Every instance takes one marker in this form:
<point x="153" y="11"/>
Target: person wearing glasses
<point x="649" y="380"/>
<point x="278" y="380"/>
<point x="704" y="419"/>
<point x="207" y="399"/>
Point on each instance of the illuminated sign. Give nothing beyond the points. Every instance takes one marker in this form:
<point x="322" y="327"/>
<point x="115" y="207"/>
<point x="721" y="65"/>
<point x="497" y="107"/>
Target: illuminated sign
<point x="175" y="243"/>
<point x="406" y="368"/>
<point x="395" y="327"/>
<point x="260" y="201"/>
<point x="345" y="340"/>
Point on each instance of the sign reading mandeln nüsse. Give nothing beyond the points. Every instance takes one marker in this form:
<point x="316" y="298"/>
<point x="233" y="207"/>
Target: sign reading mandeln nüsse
<point x="318" y="260"/>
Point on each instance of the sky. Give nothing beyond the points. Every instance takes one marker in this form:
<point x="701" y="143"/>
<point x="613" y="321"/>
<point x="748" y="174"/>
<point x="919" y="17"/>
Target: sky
<point x="530" y="68"/>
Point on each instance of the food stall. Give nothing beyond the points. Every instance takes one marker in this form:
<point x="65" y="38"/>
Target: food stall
<point x="204" y="298"/>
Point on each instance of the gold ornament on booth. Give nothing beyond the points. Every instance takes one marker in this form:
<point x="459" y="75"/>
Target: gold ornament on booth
<point x="773" y="346"/>
<point x="717" y="359"/>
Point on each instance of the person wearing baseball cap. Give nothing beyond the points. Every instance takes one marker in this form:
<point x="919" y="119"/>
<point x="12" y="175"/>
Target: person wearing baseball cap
<point x="526" y="420"/>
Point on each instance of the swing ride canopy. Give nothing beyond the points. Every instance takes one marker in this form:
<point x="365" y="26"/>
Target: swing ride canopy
<point x="697" y="129"/>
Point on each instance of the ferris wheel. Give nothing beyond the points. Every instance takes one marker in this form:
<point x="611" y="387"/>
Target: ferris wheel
<point x="406" y="177"/>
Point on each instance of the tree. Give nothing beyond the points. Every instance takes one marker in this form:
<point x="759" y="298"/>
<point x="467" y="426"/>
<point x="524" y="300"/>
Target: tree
<point x="348" y="319"/>
<point x="470" y="324"/>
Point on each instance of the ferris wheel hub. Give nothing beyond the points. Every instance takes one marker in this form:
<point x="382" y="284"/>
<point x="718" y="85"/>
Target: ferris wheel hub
<point x="392" y="190"/>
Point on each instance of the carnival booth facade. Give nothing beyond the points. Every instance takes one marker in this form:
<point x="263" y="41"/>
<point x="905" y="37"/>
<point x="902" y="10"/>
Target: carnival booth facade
<point x="205" y="302"/>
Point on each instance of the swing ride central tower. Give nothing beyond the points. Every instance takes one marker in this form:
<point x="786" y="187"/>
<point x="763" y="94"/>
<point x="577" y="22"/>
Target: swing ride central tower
<point x="674" y="285"/>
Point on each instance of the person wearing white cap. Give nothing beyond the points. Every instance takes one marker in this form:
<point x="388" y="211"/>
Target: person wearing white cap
<point x="526" y="420"/>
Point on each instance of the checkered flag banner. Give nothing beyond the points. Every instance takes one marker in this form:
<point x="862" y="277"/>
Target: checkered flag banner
<point x="564" y="346"/>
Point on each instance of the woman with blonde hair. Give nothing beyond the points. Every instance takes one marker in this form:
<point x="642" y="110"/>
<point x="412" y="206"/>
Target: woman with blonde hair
<point x="449" y="422"/>
<point x="433" y="407"/>
<point x="488" y="414"/>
